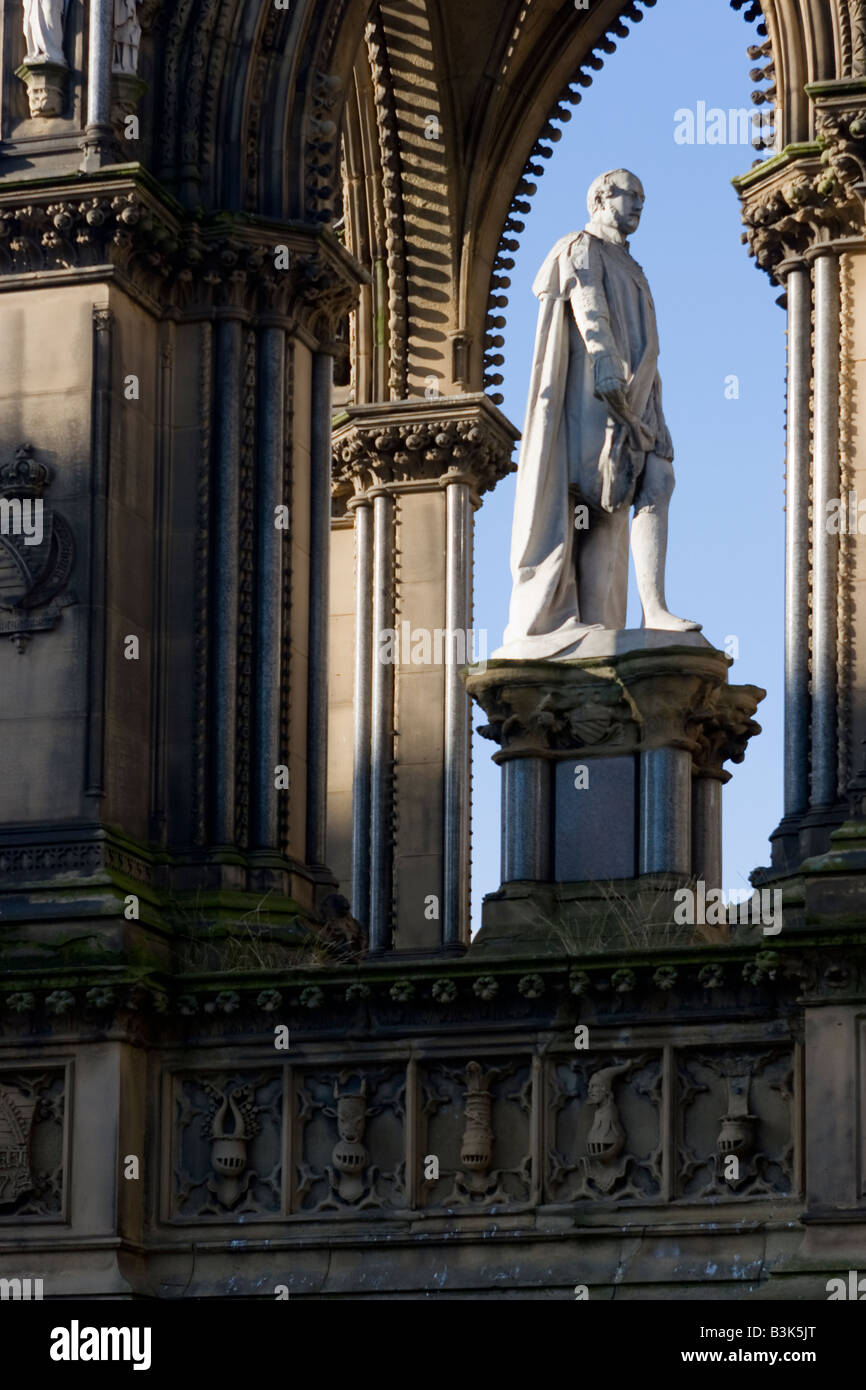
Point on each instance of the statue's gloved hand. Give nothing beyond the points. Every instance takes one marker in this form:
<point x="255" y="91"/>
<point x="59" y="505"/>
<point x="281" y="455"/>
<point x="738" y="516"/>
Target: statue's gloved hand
<point x="614" y="393"/>
<point x="610" y="382"/>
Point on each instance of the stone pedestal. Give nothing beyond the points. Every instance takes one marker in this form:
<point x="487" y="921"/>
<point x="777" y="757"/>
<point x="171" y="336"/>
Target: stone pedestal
<point x="612" y="764"/>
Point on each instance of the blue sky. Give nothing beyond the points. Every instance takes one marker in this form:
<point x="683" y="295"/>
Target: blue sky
<point x="717" y="318"/>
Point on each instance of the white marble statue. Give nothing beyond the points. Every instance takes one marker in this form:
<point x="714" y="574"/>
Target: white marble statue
<point x="43" y="31"/>
<point x="595" y="443"/>
<point x="127" y="36"/>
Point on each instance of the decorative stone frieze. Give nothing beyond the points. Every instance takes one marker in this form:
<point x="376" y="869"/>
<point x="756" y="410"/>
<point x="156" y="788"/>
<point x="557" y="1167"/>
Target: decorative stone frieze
<point x="191" y="262"/>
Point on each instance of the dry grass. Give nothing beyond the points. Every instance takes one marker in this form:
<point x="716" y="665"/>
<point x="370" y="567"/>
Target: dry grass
<point x="616" y="921"/>
<point x="249" y="944"/>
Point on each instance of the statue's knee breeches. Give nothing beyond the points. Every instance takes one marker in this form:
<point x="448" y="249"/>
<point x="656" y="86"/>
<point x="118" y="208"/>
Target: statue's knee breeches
<point x="656" y="484"/>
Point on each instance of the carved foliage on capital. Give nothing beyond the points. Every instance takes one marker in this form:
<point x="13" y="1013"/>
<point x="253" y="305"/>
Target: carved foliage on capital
<point x="841" y="135"/>
<point x="557" y="715"/>
<point x="637" y="704"/>
<point x="184" y="262"/>
<point x="723" y="732"/>
<point x="398" y="451"/>
<point x="816" y="201"/>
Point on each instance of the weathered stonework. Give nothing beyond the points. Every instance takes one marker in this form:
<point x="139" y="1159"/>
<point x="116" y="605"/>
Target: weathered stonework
<point x="165" y="854"/>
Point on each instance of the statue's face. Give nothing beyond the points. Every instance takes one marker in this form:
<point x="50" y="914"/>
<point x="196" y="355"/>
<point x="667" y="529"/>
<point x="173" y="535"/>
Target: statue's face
<point x="622" y="207"/>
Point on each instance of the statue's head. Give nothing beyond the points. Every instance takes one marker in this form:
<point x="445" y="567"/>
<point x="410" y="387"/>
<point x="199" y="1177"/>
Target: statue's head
<point x="616" y="200"/>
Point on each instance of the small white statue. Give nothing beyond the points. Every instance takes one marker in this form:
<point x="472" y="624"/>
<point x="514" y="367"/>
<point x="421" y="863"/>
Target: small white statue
<point x="595" y="443"/>
<point x="127" y="36"/>
<point x="43" y="31"/>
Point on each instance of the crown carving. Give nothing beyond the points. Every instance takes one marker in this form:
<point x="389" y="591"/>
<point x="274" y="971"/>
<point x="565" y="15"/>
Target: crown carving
<point x="24" y="476"/>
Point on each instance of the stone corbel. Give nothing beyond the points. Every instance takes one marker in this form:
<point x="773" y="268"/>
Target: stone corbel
<point x="46" y="86"/>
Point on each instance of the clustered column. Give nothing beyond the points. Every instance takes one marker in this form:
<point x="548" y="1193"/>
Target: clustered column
<point x="458" y="610"/>
<point x="825" y="488"/>
<point x="381" y="727"/>
<point x="799" y="291"/>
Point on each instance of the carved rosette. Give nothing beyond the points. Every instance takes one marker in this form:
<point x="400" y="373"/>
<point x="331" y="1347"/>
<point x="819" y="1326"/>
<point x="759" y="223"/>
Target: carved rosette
<point x="460" y="438"/>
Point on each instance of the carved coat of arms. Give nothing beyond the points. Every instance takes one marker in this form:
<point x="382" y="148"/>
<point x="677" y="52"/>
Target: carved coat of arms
<point x="36" y="550"/>
<point x="16" y="1123"/>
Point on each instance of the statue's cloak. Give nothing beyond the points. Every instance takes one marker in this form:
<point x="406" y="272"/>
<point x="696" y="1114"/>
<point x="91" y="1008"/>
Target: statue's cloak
<point x="594" y="303"/>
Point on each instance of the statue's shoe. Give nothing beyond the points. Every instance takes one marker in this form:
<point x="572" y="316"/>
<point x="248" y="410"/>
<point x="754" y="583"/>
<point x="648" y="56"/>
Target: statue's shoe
<point x="666" y="622"/>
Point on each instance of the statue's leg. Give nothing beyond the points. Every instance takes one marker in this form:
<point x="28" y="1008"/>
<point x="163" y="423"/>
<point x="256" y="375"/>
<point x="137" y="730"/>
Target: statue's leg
<point x="649" y="544"/>
<point x="602" y="569"/>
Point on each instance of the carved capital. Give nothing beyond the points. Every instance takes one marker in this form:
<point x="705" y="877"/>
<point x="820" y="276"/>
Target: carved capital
<point x="796" y="207"/>
<point x="812" y="194"/>
<point x="841" y="136"/>
<point x="621" y="704"/>
<point x="450" y="438"/>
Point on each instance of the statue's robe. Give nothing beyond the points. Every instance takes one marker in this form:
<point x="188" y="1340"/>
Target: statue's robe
<point x="595" y="304"/>
<point x="43" y="30"/>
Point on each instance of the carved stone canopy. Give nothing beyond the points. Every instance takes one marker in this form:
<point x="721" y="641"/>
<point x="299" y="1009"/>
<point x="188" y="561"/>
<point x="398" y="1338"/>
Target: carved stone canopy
<point x="666" y="697"/>
<point x="420" y="440"/>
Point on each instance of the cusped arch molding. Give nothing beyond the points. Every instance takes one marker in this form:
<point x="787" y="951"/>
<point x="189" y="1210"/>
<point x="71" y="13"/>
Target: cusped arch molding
<point x="497" y="86"/>
<point x="246" y="101"/>
<point x="792" y="43"/>
<point x="443" y="118"/>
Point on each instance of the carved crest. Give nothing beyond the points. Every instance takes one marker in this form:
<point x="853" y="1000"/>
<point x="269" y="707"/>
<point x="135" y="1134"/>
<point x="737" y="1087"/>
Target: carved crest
<point x="16" y="1123"/>
<point x="36" y="549"/>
